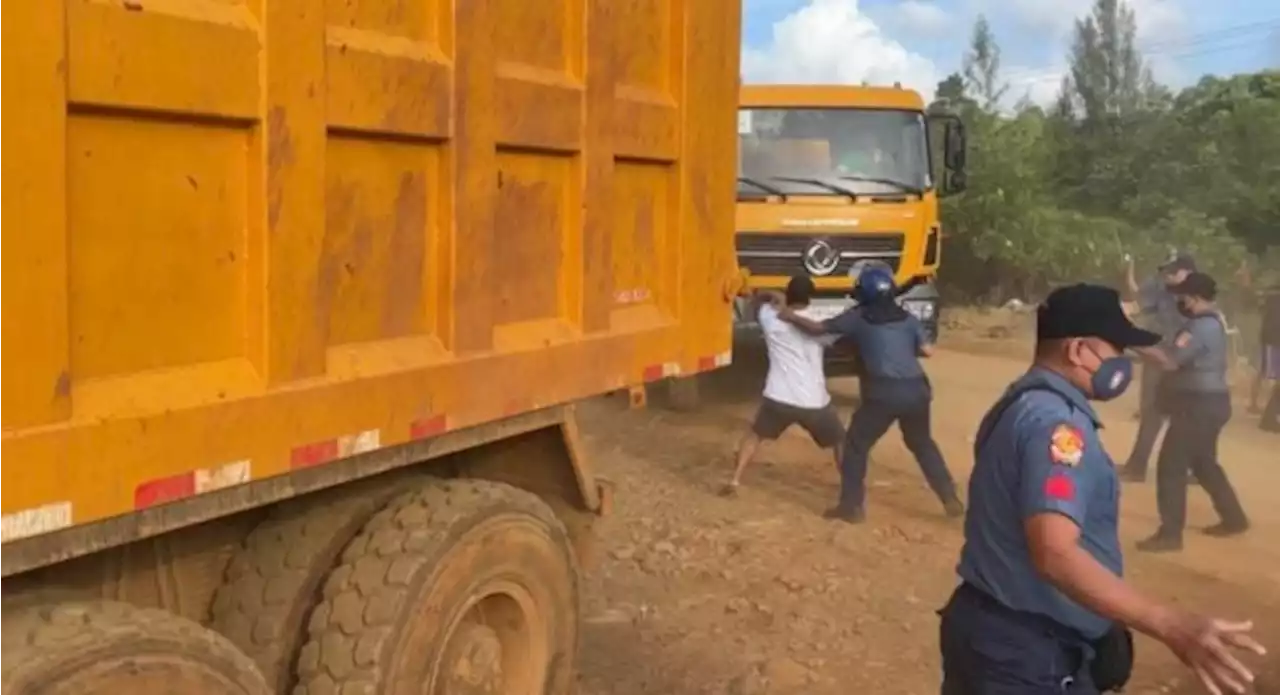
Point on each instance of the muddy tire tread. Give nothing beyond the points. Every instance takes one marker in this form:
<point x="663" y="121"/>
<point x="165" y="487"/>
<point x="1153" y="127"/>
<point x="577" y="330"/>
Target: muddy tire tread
<point x="283" y="562"/>
<point x="366" y="594"/>
<point x="47" y="634"/>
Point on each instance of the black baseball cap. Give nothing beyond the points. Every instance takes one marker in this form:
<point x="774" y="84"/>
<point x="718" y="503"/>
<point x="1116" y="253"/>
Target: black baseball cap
<point x="1179" y="261"/>
<point x="1089" y="311"/>
<point x="1200" y="285"/>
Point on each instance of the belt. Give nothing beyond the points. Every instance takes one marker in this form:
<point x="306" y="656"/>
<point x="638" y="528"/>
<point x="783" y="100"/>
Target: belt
<point x="1070" y="637"/>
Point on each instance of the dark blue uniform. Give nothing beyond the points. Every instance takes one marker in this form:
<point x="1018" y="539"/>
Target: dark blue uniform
<point x="1199" y="407"/>
<point x="1007" y="631"/>
<point x="1270" y="362"/>
<point x="1157" y="302"/>
<point x="894" y="388"/>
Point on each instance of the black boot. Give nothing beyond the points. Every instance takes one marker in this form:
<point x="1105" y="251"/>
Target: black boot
<point x="1226" y="529"/>
<point x="856" y="515"/>
<point x="1161" y="542"/>
<point x="953" y="506"/>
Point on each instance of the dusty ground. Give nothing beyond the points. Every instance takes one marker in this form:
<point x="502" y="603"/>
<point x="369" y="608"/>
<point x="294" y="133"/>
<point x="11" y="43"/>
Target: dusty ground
<point x="698" y="594"/>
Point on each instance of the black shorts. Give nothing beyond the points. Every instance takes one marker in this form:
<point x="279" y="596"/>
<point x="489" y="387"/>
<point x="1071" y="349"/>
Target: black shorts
<point x="823" y="424"/>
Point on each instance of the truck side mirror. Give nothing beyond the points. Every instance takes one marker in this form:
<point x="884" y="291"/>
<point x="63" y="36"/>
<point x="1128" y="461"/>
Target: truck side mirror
<point x="955" y="150"/>
<point x="954" y="145"/>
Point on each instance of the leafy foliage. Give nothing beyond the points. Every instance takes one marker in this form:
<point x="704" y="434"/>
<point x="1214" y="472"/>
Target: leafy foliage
<point x="1119" y="166"/>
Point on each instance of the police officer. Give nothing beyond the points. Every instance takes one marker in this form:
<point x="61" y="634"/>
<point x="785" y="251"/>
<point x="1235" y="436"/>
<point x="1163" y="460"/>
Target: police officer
<point x="894" y="388"/>
<point x="1269" y="364"/>
<point x="1199" y="407"/>
<point x="1042" y="597"/>
<point x="1159" y="307"/>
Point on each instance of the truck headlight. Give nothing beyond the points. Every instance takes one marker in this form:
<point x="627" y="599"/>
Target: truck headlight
<point x="921" y="310"/>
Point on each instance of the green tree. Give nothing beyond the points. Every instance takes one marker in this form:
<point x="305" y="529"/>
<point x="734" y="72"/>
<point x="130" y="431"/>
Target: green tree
<point x="1108" y="75"/>
<point x="1118" y="165"/>
<point x="981" y="67"/>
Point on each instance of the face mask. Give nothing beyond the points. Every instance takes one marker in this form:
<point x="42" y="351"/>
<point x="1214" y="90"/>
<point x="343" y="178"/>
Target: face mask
<point x="1112" y="377"/>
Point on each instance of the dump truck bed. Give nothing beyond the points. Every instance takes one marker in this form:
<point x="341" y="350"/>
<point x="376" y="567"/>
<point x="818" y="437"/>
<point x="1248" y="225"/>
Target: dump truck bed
<point x="246" y="239"/>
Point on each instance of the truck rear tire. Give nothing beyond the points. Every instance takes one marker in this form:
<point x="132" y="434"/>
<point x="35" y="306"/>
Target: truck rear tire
<point x="462" y="587"/>
<point x="274" y="582"/>
<point x="110" y="648"/>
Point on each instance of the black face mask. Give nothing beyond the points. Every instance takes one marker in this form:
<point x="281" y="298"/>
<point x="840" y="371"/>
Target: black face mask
<point x="883" y="310"/>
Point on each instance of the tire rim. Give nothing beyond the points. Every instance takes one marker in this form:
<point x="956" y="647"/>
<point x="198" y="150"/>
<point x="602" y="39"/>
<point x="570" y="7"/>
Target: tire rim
<point x="496" y="645"/>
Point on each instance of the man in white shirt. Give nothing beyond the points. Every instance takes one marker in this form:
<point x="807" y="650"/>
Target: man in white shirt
<point x="795" y="391"/>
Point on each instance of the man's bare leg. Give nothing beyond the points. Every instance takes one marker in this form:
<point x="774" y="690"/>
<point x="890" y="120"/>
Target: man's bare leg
<point x="746" y="451"/>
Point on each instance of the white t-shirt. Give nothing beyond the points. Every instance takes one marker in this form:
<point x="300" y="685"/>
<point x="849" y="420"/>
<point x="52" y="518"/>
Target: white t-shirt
<point x="796" y="376"/>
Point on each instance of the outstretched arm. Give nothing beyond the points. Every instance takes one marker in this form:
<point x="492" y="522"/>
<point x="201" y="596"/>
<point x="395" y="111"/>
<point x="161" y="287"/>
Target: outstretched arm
<point x="804" y="323"/>
<point x="1057" y="489"/>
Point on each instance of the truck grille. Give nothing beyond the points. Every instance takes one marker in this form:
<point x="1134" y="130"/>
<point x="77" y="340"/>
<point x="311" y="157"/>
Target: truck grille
<point x="781" y="254"/>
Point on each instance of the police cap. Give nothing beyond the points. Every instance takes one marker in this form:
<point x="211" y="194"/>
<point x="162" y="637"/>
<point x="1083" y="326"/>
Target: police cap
<point x="1089" y="311"/>
<point x="1178" y="261"/>
<point x="1197" y="285"/>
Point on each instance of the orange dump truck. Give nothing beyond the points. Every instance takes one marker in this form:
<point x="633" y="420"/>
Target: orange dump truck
<point x="834" y="178"/>
<point x="297" y="298"/>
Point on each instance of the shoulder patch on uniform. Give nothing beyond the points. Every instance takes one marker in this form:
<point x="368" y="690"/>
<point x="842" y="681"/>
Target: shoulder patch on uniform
<point x="1060" y="487"/>
<point x="1182" y="340"/>
<point x="1066" y="445"/>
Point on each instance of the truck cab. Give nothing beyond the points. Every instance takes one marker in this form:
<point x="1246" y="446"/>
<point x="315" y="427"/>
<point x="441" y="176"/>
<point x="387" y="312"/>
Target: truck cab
<point x="832" y="179"/>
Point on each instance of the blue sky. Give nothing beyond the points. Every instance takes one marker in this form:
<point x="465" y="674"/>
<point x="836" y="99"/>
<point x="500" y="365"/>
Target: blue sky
<point x="919" y="41"/>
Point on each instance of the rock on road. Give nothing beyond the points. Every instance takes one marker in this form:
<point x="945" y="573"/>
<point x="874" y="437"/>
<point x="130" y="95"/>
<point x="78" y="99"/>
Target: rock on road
<point x="698" y="594"/>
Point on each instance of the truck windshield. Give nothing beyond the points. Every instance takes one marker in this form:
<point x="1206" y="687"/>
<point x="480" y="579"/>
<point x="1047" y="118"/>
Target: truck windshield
<point x="867" y="151"/>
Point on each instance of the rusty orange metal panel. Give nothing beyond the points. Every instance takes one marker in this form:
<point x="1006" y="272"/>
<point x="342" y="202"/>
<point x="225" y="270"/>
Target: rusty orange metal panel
<point x="37" y="377"/>
<point x="356" y="225"/>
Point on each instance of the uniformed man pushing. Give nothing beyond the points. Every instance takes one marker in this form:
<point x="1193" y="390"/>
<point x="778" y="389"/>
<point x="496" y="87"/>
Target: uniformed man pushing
<point x="1199" y="406"/>
<point x="1159" y="307"/>
<point x="1042" y="602"/>
<point x="894" y="388"/>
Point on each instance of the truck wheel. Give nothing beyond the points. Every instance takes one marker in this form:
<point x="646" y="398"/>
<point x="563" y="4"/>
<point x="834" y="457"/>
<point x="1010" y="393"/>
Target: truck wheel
<point x="458" y="588"/>
<point x="274" y="581"/>
<point x="109" y="648"/>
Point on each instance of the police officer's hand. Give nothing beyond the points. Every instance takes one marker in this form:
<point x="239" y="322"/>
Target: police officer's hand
<point x="769" y="297"/>
<point x="1207" y="645"/>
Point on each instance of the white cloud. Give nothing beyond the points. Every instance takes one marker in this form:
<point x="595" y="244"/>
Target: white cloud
<point x="1040" y="87"/>
<point x="833" y="41"/>
<point x="924" y="18"/>
<point x="1156" y="19"/>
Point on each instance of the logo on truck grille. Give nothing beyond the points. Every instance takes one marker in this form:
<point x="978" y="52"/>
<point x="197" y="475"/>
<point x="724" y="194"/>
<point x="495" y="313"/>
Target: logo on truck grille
<point x="820" y="258"/>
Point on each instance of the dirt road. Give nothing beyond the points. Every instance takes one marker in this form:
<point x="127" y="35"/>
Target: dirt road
<point x="699" y="594"/>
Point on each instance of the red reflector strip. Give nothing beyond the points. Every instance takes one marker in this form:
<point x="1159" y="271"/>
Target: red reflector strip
<point x="317" y="453"/>
<point x="164" y="490"/>
<point x="182" y="485"/>
<point x="709" y="362"/>
<point x="428" y="427"/>
<point x="313" y="454"/>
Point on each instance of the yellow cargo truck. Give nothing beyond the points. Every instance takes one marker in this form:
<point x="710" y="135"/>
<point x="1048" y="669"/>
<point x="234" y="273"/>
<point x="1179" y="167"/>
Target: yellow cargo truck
<point x="833" y="178"/>
<point x="297" y="297"/>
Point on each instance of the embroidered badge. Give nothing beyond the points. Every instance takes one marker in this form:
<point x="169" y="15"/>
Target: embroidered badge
<point x="1066" y="445"/>
<point x="1060" y="488"/>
